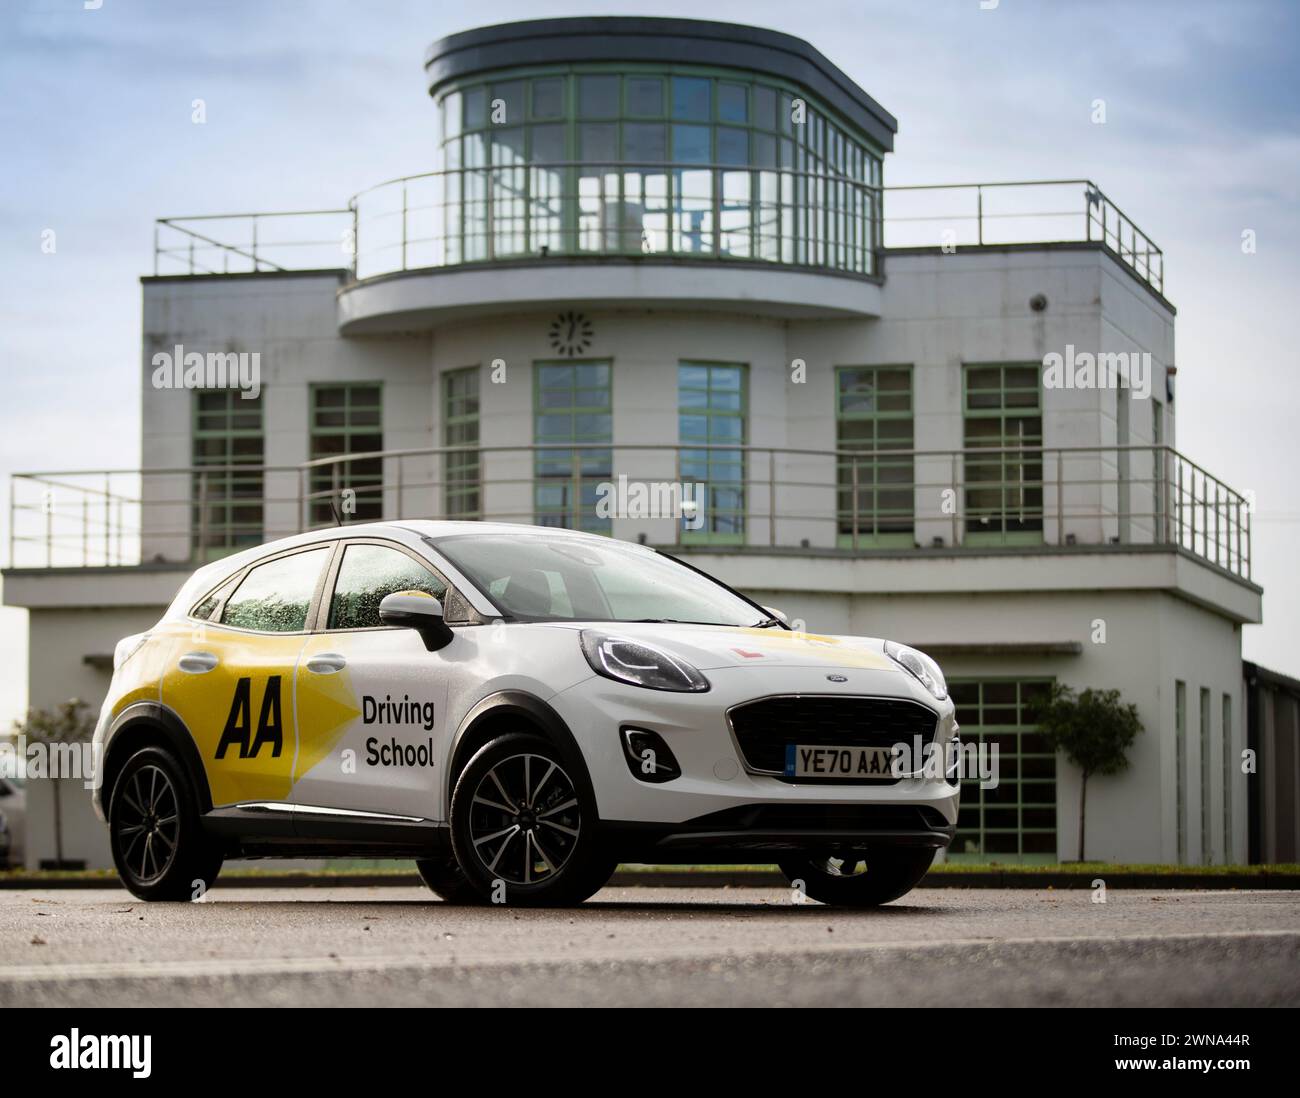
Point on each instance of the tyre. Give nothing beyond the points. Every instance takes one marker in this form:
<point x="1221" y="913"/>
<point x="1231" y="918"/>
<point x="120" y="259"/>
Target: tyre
<point x="158" y="844"/>
<point x="447" y="880"/>
<point x="859" y="880"/>
<point x="524" y="826"/>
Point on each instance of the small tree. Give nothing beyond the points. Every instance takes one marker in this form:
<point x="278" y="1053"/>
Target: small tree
<point x="70" y="722"/>
<point x="1094" y="729"/>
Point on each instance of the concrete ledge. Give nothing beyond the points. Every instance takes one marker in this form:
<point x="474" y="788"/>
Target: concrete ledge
<point x="423" y="299"/>
<point x="147" y="585"/>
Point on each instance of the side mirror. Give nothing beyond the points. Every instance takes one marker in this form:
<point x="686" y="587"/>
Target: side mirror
<point x="419" y="612"/>
<point x="778" y="614"/>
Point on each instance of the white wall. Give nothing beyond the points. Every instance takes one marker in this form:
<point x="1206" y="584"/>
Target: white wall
<point x="290" y="321"/>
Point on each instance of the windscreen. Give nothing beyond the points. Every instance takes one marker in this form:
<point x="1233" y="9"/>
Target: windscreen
<point x="539" y="577"/>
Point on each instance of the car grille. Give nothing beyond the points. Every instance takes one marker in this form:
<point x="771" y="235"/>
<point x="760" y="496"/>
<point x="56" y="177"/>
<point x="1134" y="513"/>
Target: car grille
<point x="763" y="728"/>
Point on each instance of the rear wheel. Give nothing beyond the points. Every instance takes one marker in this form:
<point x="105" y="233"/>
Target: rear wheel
<point x="859" y="880"/>
<point x="158" y="844"/>
<point x="445" y="877"/>
<point x="524" y="826"/>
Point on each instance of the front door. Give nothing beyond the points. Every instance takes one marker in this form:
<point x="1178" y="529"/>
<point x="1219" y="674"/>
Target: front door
<point x="371" y="699"/>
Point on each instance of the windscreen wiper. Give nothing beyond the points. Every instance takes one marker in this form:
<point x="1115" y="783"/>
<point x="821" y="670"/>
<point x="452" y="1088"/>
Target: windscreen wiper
<point x="673" y="621"/>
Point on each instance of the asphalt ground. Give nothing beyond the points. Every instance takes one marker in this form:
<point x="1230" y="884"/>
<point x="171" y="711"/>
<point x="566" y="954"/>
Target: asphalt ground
<point x="652" y="946"/>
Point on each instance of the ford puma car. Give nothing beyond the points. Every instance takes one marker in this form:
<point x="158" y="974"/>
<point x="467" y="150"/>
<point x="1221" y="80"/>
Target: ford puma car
<point x="519" y="709"/>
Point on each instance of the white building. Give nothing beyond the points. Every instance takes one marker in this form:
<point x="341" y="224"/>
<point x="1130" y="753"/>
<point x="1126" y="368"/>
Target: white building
<point x="661" y="248"/>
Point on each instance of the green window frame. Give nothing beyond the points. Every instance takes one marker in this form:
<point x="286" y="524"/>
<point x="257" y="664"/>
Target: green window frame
<point x="228" y="509"/>
<point x="346" y="419"/>
<point x="1015" y="822"/>
<point x="572" y="403"/>
<point x="462" y="496"/>
<point x="1180" y="768"/>
<point x="712" y="411"/>
<point x="1002" y="408"/>
<point x="875" y="497"/>
<point x="605" y="114"/>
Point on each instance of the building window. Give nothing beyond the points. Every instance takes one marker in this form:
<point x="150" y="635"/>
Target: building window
<point x="711" y="412"/>
<point x="1003" y="462"/>
<point x="1229" y="757"/>
<point x="873" y="413"/>
<point x="345" y="419"/>
<point x="462" y="490"/>
<point x="696" y="163"/>
<point x="1016" y="821"/>
<point x="571" y="404"/>
<point x="1207" y="771"/>
<point x="228" y="509"/>
<point x="1180" y="766"/>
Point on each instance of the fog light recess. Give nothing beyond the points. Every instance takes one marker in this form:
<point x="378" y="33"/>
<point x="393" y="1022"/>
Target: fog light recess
<point x="648" y="757"/>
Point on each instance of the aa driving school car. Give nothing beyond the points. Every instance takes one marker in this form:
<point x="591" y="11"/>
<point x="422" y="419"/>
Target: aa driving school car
<point x="519" y="709"/>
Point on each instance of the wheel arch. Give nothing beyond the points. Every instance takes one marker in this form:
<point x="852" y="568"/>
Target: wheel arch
<point x="140" y="725"/>
<point x="506" y="711"/>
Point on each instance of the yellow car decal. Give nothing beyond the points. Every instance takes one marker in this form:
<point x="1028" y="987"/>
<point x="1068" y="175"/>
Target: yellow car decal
<point x="835" y="649"/>
<point x="327" y="704"/>
<point x="240" y="712"/>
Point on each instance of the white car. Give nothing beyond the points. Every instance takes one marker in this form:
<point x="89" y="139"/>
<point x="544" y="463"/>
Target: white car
<point x="519" y="709"/>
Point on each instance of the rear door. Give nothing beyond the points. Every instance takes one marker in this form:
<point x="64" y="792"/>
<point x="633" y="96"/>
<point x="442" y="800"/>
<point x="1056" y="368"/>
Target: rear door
<point x="371" y="698"/>
<point x="231" y="680"/>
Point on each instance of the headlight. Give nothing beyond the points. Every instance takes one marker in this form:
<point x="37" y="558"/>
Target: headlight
<point x="639" y="664"/>
<point x="925" y="670"/>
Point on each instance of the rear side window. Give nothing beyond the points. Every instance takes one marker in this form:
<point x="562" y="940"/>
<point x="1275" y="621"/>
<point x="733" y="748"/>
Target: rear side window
<point x="206" y="609"/>
<point x="366" y="575"/>
<point x="275" y="597"/>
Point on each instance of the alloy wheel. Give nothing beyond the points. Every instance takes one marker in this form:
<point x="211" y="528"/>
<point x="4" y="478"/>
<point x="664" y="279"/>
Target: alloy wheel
<point x="148" y="823"/>
<point x="524" y="819"/>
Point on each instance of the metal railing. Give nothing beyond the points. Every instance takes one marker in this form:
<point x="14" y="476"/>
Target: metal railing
<point x="1039" y="212"/>
<point x="709" y="211"/>
<point x="841" y="501"/>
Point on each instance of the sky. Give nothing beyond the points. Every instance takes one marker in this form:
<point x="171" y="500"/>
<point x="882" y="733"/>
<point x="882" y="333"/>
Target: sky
<point x="309" y="101"/>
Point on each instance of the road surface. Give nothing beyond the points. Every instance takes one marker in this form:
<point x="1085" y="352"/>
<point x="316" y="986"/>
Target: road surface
<point x="651" y="946"/>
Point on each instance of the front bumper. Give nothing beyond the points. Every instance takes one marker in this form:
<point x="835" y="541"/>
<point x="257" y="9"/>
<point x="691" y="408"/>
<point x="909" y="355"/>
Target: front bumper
<point x="717" y="804"/>
<point x="769" y="832"/>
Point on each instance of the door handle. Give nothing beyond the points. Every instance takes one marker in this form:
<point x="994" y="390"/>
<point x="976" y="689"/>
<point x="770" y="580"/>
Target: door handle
<point x="196" y="663"/>
<point x="326" y="663"/>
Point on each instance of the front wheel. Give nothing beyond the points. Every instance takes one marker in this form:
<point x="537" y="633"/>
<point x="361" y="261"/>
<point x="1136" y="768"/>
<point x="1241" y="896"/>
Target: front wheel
<point x="524" y="826"/>
<point x="158" y="844"/>
<point x="859" y="880"/>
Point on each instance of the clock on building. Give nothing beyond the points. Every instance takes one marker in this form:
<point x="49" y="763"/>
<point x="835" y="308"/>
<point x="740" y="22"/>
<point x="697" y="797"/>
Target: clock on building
<point x="570" y="333"/>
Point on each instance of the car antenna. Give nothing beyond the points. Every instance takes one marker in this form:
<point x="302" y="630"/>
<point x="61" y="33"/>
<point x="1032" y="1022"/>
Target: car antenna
<point x="334" y="510"/>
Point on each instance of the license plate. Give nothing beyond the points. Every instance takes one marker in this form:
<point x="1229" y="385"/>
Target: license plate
<point x="806" y="761"/>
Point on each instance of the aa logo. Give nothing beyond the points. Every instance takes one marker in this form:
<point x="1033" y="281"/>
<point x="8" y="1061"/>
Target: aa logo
<point x="239" y="723"/>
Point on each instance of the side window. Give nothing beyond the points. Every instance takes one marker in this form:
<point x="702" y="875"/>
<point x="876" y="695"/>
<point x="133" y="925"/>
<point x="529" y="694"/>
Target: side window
<point x="205" y="610"/>
<point x="366" y="575"/>
<point x="275" y="597"/>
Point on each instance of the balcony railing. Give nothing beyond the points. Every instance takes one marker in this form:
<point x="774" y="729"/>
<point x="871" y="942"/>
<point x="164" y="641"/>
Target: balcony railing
<point x="826" y="501"/>
<point x="538" y="211"/>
